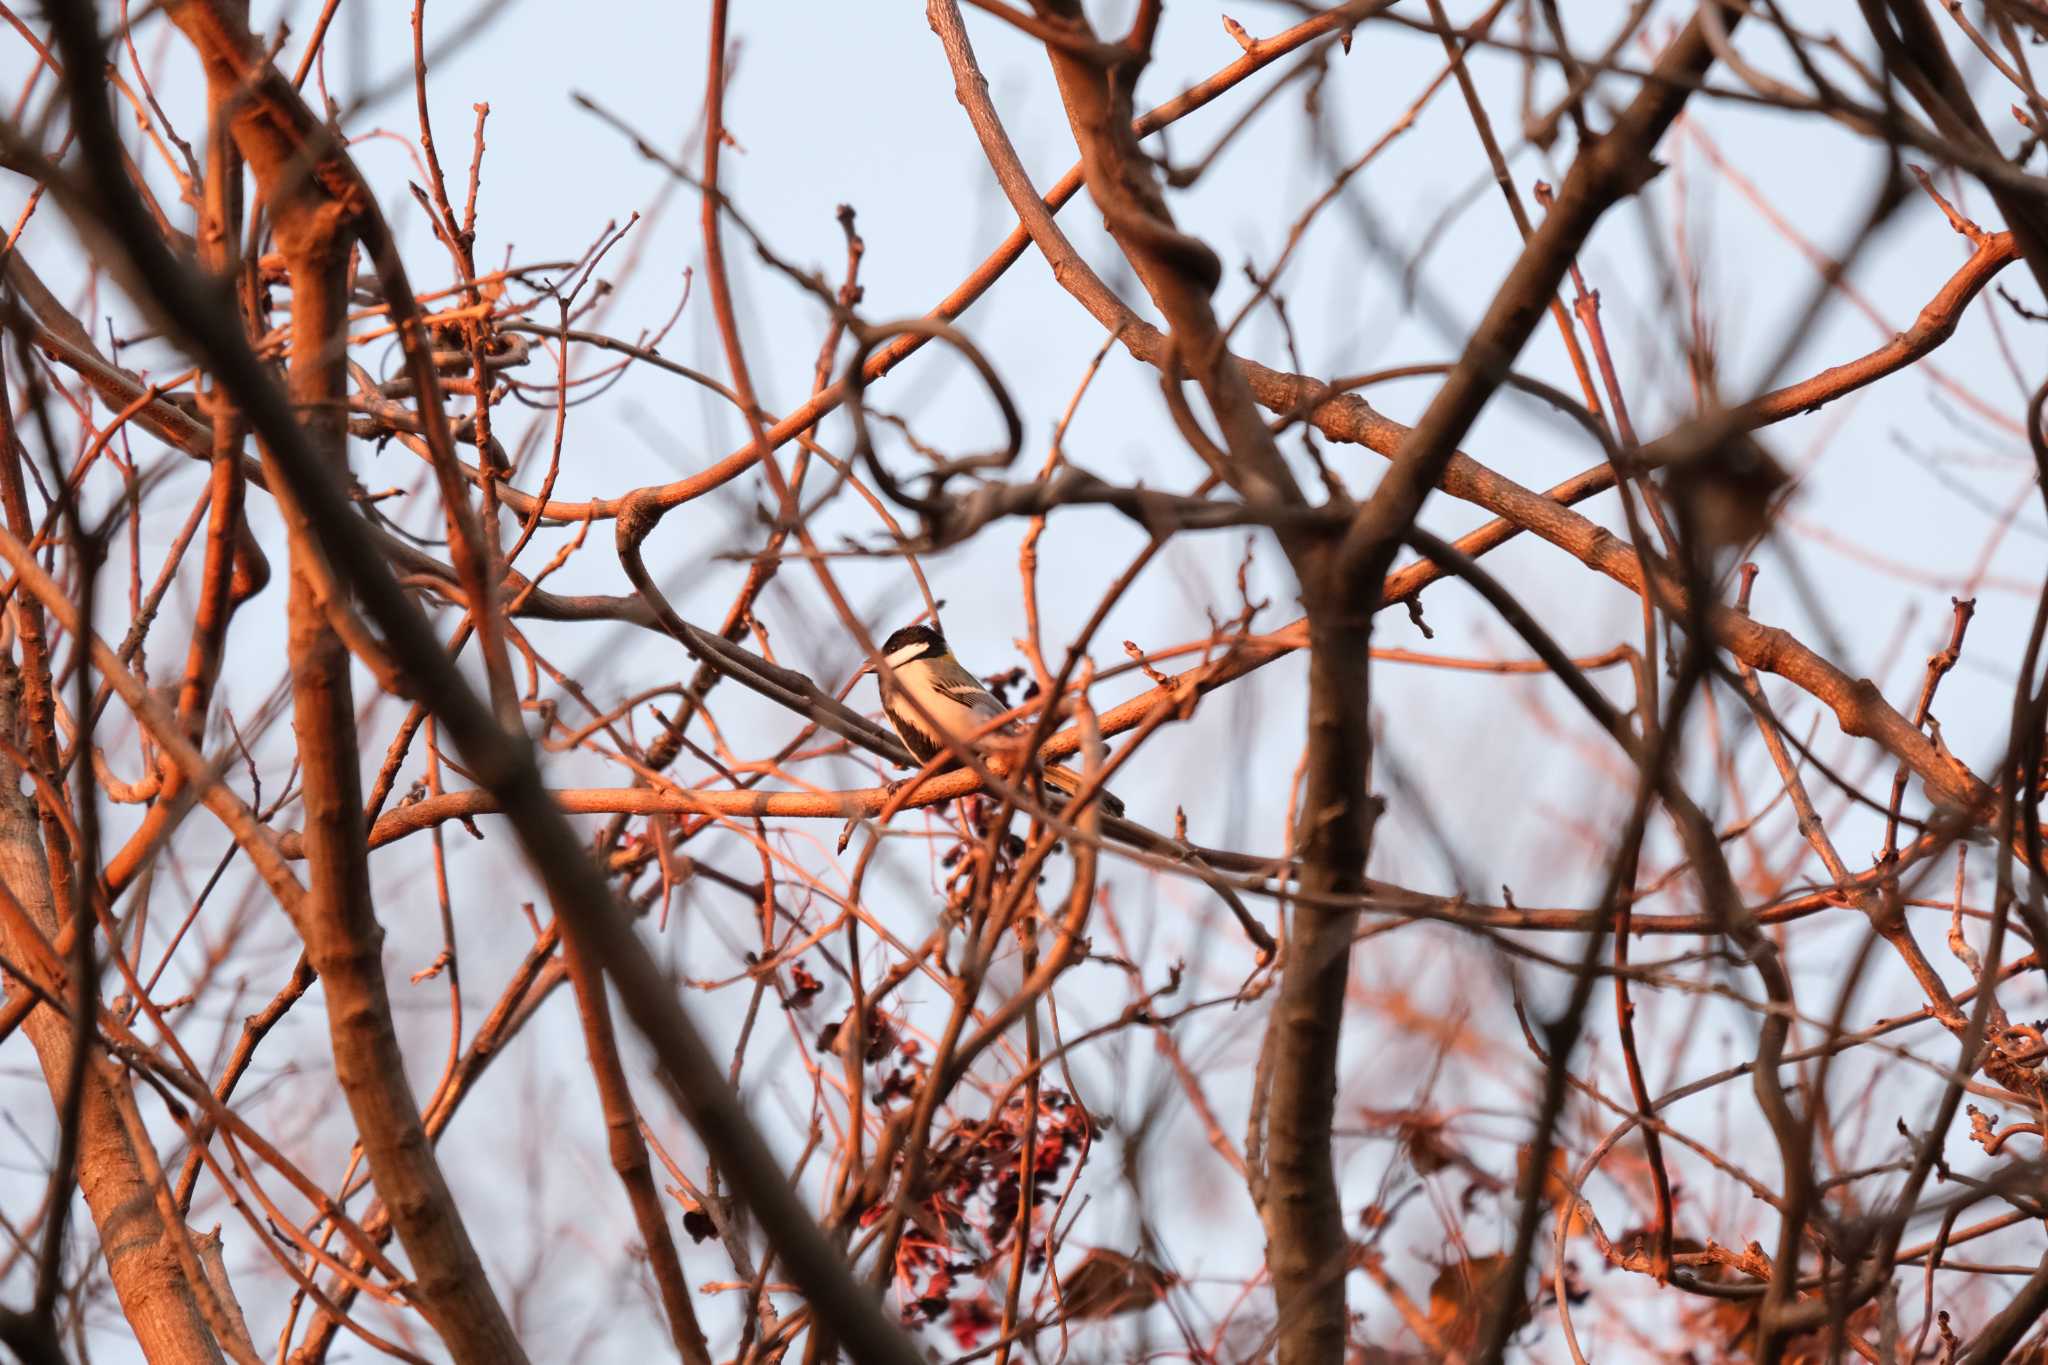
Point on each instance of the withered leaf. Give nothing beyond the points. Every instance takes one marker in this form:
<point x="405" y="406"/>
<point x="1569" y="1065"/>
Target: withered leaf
<point x="1557" y="1190"/>
<point x="1463" y="1293"/>
<point x="1107" y="1283"/>
<point x="803" y="987"/>
<point x="972" y="1319"/>
<point x="1428" y="1150"/>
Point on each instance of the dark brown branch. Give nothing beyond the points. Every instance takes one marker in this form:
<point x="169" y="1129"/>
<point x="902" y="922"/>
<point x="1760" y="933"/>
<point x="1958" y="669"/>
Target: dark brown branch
<point x="629" y="1156"/>
<point x="503" y="762"/>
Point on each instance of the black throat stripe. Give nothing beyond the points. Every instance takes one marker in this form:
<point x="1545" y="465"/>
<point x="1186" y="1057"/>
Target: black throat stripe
<point x="919" y="740"/>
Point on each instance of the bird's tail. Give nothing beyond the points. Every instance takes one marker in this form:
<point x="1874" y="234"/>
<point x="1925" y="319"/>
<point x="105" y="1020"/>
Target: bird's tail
<point x="1069" y="781"/>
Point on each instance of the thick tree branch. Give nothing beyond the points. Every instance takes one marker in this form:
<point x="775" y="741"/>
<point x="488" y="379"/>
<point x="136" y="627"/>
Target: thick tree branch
<point x="503" y="762"/>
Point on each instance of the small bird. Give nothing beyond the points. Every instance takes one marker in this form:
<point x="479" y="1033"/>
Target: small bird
<point x="923" y="667"/>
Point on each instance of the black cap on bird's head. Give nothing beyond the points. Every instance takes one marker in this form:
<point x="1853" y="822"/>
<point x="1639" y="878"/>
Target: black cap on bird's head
<point x="914" y="642"/>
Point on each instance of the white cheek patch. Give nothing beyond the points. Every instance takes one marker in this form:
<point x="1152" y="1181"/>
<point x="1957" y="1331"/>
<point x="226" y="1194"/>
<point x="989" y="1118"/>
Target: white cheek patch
<point x="906" y="654"/>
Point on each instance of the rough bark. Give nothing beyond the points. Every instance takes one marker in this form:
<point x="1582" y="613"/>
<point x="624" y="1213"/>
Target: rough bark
<point x="1306" y="1253"/>
<point x="629" y="1155"/>
<point x="502" y="762"/>
<point x="1340" y="584"/>
<point x="157" y="1300"/>
<point x="316" y="205"/>
<point x="343" y="939"/>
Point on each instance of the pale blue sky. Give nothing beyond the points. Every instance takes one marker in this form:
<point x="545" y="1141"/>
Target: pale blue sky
<point x="835" y="102"/>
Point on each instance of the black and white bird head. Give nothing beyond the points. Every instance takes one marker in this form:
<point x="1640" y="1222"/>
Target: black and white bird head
<point x="912" y="643"/>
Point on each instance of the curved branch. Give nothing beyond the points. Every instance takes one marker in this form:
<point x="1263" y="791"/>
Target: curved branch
<point x="503" y="761"/>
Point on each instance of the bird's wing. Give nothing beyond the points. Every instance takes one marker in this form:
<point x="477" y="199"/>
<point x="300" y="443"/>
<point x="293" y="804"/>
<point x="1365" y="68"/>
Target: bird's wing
<point x="959" y="686"/>
<point x="975" y="698"/>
